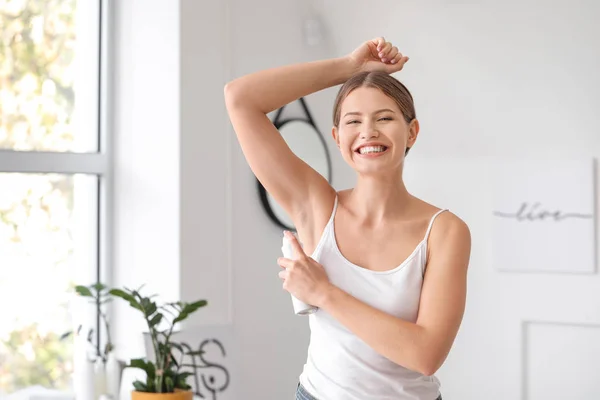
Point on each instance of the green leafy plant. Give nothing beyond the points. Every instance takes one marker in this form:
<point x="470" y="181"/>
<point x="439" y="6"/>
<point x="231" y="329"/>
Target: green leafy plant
<point x="164" y="375"/>
<point x="98" y="295"/>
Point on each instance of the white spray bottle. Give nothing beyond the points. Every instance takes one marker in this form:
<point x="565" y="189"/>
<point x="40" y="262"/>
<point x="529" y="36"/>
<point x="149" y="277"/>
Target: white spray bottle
<point x="300" y="308"/>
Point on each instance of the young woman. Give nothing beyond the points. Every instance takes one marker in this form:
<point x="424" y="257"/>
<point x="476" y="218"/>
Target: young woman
<point x="386" y="269"/>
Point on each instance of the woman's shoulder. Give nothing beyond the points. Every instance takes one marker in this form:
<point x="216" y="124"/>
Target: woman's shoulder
<point x="445" y="219"/>
<point x="447" y="235"/>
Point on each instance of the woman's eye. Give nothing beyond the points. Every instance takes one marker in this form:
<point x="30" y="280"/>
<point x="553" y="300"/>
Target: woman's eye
<point x="354" y="121"/>
<point x="385" y="119"/>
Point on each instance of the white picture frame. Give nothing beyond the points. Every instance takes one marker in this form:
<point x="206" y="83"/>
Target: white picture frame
<point x="543" y="216"/>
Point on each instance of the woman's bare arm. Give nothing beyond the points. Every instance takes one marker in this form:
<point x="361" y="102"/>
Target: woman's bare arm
<point x="293" y="184"/>
<point x="420" y="346"/>
<point x="424" y="345"/>
<point x="290" y="181"/>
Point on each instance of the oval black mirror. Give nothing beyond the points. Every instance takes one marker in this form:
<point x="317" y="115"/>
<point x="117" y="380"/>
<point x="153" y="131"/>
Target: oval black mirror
<point x="305" y="140"/>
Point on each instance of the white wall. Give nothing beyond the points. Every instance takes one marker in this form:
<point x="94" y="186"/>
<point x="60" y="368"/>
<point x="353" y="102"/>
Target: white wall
<point x="146" y="140"/>
<point x="273" y="340"/>
<point x="205" y="197"/>
<point x="494" y="80"/>
<point x="481" y="90"/>
<point x="188" y="221"/>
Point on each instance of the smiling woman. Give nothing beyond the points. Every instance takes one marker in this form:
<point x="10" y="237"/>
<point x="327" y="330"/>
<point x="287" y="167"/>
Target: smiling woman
<point x="386" y="270"/>
<point x="384" y="84"/>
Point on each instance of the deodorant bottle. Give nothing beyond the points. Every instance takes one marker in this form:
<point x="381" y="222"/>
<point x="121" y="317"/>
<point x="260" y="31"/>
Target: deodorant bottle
<point x="300" y="308"/>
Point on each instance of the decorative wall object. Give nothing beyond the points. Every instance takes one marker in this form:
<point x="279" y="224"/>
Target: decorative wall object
<point x="543" y="216"/>
<point x="556" y="358"/>
<point x="304" y="139"/>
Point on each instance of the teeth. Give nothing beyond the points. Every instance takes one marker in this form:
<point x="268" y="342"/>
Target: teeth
<point x="371" y="149"/>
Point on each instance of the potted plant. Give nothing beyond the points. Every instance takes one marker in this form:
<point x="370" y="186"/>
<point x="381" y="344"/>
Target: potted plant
<point x="106" y="368"/>
<point x="98" y="295"/>
<point x="164" y="378"/>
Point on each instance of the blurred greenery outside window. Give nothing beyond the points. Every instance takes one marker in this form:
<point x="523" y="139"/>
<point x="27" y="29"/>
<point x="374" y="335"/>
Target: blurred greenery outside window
<point x="53" y="166"/>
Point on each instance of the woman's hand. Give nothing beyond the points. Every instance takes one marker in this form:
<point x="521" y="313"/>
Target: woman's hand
<point x="303" y="277"/>
<point x="377" y="55"/>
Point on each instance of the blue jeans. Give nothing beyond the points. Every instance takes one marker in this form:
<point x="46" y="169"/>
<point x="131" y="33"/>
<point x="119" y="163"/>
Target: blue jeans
<point x="302" y="394"/>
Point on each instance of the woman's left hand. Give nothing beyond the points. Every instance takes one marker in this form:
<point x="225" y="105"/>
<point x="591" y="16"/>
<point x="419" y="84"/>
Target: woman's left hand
<point x="303" y="277"/>
<point x="377" y="55"/>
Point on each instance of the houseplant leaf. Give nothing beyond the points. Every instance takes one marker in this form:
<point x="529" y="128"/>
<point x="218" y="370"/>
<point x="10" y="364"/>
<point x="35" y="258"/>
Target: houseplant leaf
<point x="177" y="346"/>
<point x="170" y="385"/>
<point x="83" y="291"/>
<point x="140" y="386"/>
<point x="90" y="335"/>
<point x="183" y="315"/>
<point x="148" y="367"/>
<point x="108" y="348"/>
<point x="181" y="380"/>
<point x="127" y="297"/>
<point x="99" y="286"/>
<point x="151" y="309"/>
<point x="156" y="319"/>
<point x="190" y="308"/>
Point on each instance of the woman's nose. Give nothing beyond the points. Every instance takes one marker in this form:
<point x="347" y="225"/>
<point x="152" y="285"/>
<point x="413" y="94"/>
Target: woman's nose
<point x="369" y="132"/>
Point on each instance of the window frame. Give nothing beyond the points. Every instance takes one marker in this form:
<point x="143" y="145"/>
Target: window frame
<point x="98" y="164"/>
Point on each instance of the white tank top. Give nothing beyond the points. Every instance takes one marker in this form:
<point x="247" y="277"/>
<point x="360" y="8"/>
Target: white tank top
<point x="340" y="366"/>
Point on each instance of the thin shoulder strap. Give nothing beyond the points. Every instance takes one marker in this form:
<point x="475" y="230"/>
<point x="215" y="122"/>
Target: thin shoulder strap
<point x="335" y="203"/>
<point x="327" y="232"/>
<point x="431" y="222"/>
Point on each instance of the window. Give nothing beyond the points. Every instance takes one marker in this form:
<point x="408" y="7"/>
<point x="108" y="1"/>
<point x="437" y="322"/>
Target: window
<point x="54" y="182"/>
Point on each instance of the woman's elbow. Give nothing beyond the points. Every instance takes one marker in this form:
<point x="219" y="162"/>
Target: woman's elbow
<point x="230" y="93"/>
<point x="429" y="369"/>
<point x="429" y="364"/>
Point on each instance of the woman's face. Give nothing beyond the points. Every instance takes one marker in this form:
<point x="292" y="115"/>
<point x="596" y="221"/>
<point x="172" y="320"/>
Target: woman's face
<point x="372" y="134"/>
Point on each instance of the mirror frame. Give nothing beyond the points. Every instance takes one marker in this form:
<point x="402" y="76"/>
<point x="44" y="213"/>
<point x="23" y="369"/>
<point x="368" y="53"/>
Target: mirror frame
<point x="279" y="122"/>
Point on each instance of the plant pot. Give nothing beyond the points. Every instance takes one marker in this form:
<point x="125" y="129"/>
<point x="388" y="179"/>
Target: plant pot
<point x="179" y="395"/>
